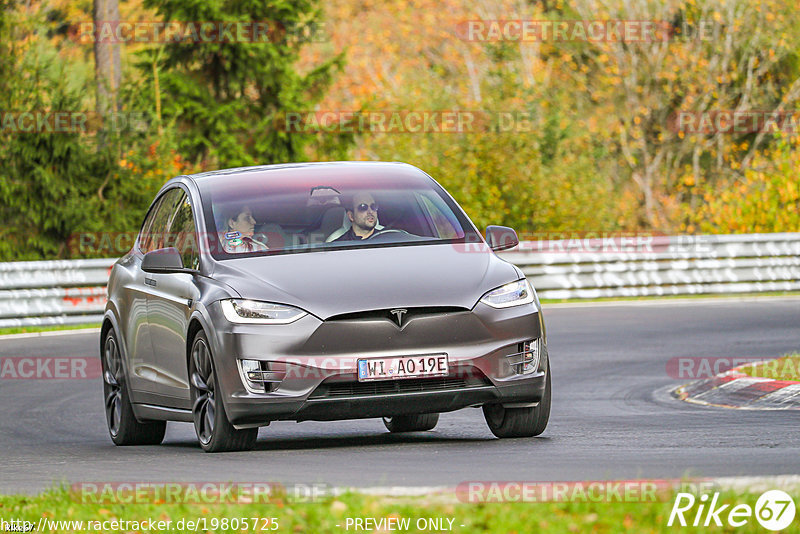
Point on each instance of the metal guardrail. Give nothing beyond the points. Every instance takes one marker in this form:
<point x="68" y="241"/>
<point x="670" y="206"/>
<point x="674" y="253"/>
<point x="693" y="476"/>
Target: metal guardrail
<point x="57" y="292"/>
<point x="73" y="291"/>
<point x="660" y="265"/>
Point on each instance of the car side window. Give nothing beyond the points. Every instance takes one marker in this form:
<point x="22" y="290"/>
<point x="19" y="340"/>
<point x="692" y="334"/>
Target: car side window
<point x="185" y="237"/>
<point x="146" y="235"/>
<point x="157" y="235"/>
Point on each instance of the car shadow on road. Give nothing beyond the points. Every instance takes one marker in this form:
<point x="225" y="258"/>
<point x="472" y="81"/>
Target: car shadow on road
<point x="323" y="442"/>
<point x="266" y="443"/>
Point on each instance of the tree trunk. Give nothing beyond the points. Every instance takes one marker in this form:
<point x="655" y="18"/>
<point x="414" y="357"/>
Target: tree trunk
<point x="107" y="66"/>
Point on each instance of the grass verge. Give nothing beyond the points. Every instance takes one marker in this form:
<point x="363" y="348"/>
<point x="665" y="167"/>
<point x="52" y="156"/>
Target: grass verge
<point x="785" y="368"/>
<point x="330" y="515"/>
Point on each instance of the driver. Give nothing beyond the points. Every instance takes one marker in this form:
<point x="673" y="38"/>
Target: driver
<point x="363" y="215"/>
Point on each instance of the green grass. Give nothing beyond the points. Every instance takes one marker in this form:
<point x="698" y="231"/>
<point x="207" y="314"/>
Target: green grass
<point x="324" y="516"/>
<point x="785" y="368"/>
<point x="28" y="329"/>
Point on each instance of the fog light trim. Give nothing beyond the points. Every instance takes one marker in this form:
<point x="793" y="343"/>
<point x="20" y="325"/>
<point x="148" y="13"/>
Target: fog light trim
<point x="257" y="376"/>
<point x="526" y="361"/>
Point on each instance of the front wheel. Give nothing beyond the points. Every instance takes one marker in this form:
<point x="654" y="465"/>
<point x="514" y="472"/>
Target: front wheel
<point x="214" y="431"/>
<point x="123" y="427"/>
<point x="519" y="422"/>
<point x="411" y="423"/>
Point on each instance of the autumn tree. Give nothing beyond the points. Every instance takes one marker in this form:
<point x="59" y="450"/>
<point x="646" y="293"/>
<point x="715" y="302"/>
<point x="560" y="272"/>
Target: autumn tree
<point x="708" y="56"/>
<point x="227" y="96"/>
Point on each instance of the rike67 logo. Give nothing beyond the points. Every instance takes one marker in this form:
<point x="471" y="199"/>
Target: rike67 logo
<point x="774" y="510"/>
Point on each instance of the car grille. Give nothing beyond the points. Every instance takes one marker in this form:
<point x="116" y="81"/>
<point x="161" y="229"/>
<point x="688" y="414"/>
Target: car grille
<point x="386" y="314"/>
<point x="388" y="387"/>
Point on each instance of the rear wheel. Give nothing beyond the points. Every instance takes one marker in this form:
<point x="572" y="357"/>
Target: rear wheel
<point x="214" y="430"/>
<point x="123" y="427"/>
<point x="411" y="423"/>
<point x="519" y="422"/>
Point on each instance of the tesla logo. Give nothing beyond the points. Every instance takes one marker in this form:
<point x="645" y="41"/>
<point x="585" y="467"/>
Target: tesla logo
<point x="398" y="315"/>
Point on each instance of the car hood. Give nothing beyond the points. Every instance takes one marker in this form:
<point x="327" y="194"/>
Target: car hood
<point x="333" y="282"/>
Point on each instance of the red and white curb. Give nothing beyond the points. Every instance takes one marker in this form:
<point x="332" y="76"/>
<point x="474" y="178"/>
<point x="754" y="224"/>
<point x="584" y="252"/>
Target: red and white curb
<point x="733" y="389"/>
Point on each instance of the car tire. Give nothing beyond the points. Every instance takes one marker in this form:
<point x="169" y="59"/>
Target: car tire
<point x="123" y="427"/>
<point x="519" y="422"/>
<point x="411" y="423"/>
<point x="214" y="431"/>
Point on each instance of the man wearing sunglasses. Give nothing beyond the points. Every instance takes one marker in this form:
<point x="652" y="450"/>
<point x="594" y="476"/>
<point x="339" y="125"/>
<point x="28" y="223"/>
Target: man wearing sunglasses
<point x="363" y="215"/>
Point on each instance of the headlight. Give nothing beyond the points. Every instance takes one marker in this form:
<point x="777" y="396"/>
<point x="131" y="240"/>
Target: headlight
<point x="255" y="312"/>
<point x="513" y="294"/>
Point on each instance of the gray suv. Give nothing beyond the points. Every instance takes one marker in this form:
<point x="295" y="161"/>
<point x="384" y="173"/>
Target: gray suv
<point x="318" y="291"/>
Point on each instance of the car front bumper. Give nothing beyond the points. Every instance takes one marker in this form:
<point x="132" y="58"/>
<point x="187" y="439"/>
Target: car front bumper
<point x="317" y="364"/>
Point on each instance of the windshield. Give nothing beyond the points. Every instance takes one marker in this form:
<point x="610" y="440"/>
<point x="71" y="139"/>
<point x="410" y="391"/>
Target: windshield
<point x="261" y="211"/>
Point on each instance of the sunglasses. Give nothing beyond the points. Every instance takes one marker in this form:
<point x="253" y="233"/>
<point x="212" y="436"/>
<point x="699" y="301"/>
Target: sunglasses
<point x="363" y="207"/>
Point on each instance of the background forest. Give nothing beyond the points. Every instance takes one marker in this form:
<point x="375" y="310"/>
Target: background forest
<point x="599" y="151"/>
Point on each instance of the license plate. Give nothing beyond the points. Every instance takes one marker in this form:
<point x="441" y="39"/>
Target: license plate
<point x="402" y="367"/>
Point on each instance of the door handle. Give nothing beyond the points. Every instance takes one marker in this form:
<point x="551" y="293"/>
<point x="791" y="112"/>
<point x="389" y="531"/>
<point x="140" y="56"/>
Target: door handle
<point x="150" y="282"/>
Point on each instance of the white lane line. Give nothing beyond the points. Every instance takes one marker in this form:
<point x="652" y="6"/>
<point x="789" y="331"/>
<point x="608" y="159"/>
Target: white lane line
<point x="751" y="483"/>
<point x="760" y="483"/>
<point x="667" y="302"/>
<point x="51" y="333"/>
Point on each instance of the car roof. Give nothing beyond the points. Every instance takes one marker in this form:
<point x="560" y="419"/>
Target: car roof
<point x="239" y="171"/>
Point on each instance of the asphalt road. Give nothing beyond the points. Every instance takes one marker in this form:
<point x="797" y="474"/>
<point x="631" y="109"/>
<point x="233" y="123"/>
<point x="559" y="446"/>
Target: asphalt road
<point x="611" y="417"/>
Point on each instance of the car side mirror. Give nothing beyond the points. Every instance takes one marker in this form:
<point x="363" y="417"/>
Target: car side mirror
<point x="164" y="260"/>
<point x="501" y="237"/>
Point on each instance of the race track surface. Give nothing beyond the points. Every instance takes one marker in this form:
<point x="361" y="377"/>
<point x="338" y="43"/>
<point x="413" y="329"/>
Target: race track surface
<point x="611" y="416"/>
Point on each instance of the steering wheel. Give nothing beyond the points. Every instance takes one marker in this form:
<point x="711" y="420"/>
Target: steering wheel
<point x="386" y="231"/>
